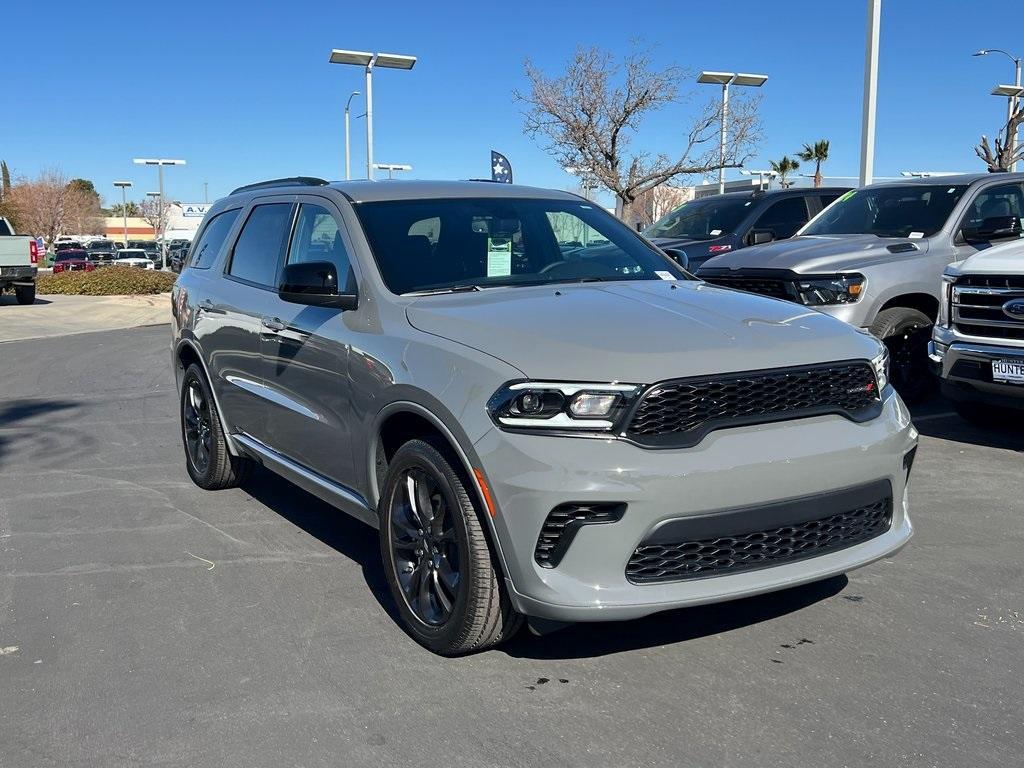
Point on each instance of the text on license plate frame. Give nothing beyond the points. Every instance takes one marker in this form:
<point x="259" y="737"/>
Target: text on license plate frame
<point x="1008" y="371"/>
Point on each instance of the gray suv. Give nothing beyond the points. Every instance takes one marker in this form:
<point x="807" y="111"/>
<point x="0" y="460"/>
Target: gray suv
<point x="544" y="416"/>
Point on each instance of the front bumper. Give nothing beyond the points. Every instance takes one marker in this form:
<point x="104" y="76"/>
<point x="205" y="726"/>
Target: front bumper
<point x="733" y="468"/>
<point x="964" y="366"/>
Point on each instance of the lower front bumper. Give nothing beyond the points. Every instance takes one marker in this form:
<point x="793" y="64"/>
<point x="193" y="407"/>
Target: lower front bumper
<point x="729" y="469"/>
<point x="965" y="369"/>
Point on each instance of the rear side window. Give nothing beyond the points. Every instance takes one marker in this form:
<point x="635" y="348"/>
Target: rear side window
<point x="828" y="198"/>
<point x="784" y="217"/>
<point x="214" y="235"/>
<point x="258" y="249"/>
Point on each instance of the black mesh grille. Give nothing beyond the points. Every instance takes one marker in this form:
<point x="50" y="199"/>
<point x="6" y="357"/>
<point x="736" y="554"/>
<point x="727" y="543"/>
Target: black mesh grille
<point x="682" y="412"/>
<point x="779" y="289"/>
<point x="564" y="521"/>
<point x="759" y="549"/>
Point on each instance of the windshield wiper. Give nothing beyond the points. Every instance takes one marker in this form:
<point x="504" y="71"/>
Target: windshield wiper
<point x="449" y="289"/>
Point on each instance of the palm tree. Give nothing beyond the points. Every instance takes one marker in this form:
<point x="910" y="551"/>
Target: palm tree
<point x="784" y="167"/>
<point x="818" y="152"/>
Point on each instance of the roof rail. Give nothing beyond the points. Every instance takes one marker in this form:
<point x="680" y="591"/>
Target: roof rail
<point x="293" y="181"/>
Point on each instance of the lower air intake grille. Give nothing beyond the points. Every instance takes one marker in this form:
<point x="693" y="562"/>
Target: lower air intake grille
<point x="737" y="552"/>
<point x="564" y="522"/>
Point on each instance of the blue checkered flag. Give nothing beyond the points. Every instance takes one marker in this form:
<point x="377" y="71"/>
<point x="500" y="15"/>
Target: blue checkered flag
<point x="501" y="168"/>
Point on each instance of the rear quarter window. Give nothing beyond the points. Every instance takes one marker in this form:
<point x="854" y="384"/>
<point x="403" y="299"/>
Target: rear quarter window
<point x="212" y="240"/>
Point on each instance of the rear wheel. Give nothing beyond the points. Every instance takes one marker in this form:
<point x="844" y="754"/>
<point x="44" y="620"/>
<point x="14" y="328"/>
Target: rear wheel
<point x="438" y="564"/>
<point x="26" y="294"/>
<point x="905" y="332"/>
<point x="207" y="458"/>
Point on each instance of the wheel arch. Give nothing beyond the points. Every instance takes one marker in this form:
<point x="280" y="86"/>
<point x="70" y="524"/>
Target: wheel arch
<point x="922" y="302"/>
<point x="187" y="352"/>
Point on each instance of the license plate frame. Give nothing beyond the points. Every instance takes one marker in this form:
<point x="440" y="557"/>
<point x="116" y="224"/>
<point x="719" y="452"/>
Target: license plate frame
<point x="1008" y="371"/>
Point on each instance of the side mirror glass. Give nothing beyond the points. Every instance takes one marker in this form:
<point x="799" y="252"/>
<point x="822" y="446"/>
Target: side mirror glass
<point x="679" y="256"/>
<point x="994" y="228"/>
<point x="761" y="236"/>
<point x="315" y="283"/>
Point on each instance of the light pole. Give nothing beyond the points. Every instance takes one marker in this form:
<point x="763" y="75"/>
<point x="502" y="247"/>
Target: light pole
<point x="1013" y="93"/>
<point x="124" y="206"/>
<point x="391" y="167"/>
<point x="348" y="167"/>
<point x="369" y="61"/>
<point x="867" y="130"/>
<point x="159" y="162"/>
<point x="725" y="79"/>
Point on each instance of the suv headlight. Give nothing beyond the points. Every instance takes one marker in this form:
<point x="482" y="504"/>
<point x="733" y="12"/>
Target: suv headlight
<point x="561" y="406"/>
<point x="830" y="289"/>
<point x="881" y="365"/>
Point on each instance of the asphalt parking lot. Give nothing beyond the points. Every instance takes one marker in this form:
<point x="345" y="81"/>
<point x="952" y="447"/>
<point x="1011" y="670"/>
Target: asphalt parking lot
<point x="146" y="622"/>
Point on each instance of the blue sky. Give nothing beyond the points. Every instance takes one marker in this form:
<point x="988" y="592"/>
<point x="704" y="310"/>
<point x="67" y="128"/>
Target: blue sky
<point x="243" y="91"/>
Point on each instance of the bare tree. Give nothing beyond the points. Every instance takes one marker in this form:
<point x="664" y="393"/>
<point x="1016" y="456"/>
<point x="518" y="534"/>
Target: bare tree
<point x="155" y="212"/>
<point x="49" y="206"/>
<point x="1006" y="152"/>
<point x="588" y="117"/>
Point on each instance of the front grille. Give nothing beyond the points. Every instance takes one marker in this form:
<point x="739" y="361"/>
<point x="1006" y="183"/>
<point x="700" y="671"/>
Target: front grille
<point x="723" y="555"/>
<point x="777" y="289"/>
<point x="681" y="413"/>
<point x="563" y="523"/>
<point x="977" y="306"/>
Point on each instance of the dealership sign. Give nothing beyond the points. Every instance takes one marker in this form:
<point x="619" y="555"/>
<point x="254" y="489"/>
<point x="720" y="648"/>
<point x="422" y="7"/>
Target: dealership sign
<point x="194" y="209"/>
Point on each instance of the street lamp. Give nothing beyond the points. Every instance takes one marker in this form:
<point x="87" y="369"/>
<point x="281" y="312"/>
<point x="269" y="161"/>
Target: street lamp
<point x="369" y="61"/>
<point x="159" y="162"/>
<point x="124" y="206"/>
<point x="391" y="167"/>
<point x="725" y="79"/>
<point x="1012" y="92"/>
<point x="348" y="171"/>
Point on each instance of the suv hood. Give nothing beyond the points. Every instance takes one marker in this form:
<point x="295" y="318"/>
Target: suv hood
<point x="819" y="254"/>
<point x="637" y="332"/>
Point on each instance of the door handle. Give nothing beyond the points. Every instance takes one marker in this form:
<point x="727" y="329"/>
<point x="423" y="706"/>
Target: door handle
<point x="273" y="324"/>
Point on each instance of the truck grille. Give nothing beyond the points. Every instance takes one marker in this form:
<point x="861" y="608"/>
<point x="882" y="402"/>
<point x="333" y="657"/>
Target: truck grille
<point x="760" y="548"/>
<point x="682" y="412"/>
<point x="977" y="306"/>
<point x="777" y="289"/>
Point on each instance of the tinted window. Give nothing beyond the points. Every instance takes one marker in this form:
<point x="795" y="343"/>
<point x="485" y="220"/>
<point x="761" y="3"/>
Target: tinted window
<point x="914" y="210"/>
<point x="784" y="217"/>
<point x="212" y="240"/>
<point x="827" y="198"/>
<point x="490" y="242"/>
<point x="703" y="219"/>
<point x="1004" y="200"/>
<point x="318" y="238"/>
<point x="257" y="252"/>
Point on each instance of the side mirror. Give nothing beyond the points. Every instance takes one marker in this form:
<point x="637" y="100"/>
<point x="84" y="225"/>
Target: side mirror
<point x="994" y="228"/>
<point x="679" y="256"/>
<point x="315" y="283"/>
<point x="761" y="236"/>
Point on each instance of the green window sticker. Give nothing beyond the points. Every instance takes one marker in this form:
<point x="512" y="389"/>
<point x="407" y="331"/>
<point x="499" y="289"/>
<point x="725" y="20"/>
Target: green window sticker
<point x="499" y="257"/>
<point x="848" y="195"/>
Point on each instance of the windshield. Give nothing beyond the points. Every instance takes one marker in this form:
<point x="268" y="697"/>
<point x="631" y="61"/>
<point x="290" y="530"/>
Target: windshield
<point x="702" y="219"/>
<point x="424" y="245"/>
<point x="912" y="211"/>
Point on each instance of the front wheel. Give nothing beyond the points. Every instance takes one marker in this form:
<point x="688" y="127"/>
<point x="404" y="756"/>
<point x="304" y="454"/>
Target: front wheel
<point x="437" y="561"/>
<point x="26" y="294"/>
<point x="207" y="458"/>
<point x="905" y="332"/>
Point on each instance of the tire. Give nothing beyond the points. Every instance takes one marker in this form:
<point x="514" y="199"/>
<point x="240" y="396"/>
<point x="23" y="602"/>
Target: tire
<point x="212" y="467"/>
<point x="447" y="560"/>
<point x="905" y="332"/>
<point x="26" y="294"/>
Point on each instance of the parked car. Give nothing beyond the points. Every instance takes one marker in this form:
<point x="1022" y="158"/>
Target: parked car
<point x="133" y="257"/>
<point x="19" y="263"/>
<point x="875" y="256"/>
<point x="710" y="226"/>
<point x="72" y="260"/>
<point x="176" y="256"/>
<point x="101" y="251"/>
<point x="591" y="438"/>
<point x="977" y="347"/>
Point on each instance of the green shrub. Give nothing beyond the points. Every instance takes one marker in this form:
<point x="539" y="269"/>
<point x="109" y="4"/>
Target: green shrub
<point x="106" y="281"/>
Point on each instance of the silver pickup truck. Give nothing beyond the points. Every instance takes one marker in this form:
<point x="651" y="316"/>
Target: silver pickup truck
<point x="19" y="256"/>
<point x="977" y="347"/>
<point x="874" y="258"/>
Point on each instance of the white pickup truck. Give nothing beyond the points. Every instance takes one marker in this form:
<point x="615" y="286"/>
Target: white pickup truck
<point x="977" y="346"/>
<point x="19" y="257"/>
